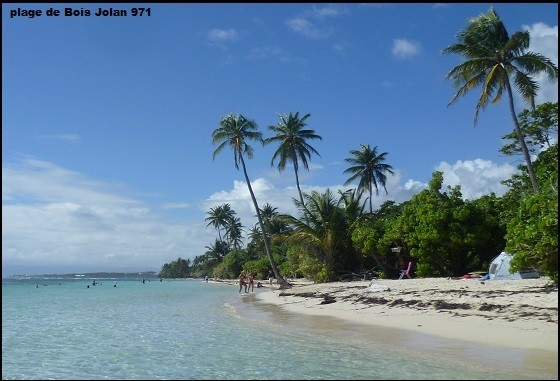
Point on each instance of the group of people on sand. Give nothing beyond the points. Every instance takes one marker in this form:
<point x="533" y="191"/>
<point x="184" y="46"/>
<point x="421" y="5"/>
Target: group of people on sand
<point x="247" y="280"/>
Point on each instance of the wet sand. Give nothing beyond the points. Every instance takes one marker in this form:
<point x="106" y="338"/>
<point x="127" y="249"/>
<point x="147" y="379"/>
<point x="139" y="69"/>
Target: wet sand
<point x="509" y="323"/>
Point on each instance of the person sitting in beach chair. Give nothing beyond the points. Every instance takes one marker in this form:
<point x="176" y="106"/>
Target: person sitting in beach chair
<point x="406" y="272"/>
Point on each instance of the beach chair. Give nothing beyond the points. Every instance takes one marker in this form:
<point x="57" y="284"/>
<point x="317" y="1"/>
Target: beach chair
<point x="406" y="273"/>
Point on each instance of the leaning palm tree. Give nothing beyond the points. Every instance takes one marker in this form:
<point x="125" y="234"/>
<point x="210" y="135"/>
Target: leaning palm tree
<point x="292" y="135"/>
<point x="234" y="131"/>
<point x="370" y="168"/>
<point x="494" y="60"/>
<point x="218" y="217"/>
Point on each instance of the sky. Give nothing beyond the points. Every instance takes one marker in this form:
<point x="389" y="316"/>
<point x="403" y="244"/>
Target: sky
<point x="107" y="155"/>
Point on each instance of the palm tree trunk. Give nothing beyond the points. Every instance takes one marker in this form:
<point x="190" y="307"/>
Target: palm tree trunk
<point x="265" y="239"/>
<point x="306" y="213"/>
<point x="370" y="197"/>
<point x="297" y="184"/>
<point x="521" y="139"/>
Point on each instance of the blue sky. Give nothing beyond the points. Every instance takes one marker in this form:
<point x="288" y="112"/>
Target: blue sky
<point x="106" y="121"/>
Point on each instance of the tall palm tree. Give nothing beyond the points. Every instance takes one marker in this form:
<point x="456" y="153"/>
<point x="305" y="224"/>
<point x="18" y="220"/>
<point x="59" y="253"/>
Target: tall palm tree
<point x="291" y="134"/>
<point x="494" y="60"/>
<point x="234" y="131"/>
<point x="370" y="168"/>
<point x="218" y="217"/>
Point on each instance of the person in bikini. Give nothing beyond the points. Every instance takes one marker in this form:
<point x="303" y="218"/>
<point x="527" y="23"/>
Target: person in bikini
<point x="251" y="281"/>
<point x="242" y="281"/>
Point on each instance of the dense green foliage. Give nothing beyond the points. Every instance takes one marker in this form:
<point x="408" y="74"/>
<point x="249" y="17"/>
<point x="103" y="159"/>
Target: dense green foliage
<point x="181" y="268"/>
<point x="445" y="235"/>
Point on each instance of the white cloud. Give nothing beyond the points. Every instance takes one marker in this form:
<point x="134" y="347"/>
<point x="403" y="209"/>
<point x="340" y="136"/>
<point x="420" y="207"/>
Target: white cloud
<point x="222" y="35"/>
<point x="339" y="48"/>
<point x="54" y="218"/>
<point x="303" y="26"/>
<point x="327" y="11"/>
<point x="544" y="40"/>
<point x="308" y="29"/>
<point x="269" y="52"/>
<point x="477" y="177"/>
<point x="39" y="180"/>
<point x="240" y="200"/>
<point x="404" y="48"/>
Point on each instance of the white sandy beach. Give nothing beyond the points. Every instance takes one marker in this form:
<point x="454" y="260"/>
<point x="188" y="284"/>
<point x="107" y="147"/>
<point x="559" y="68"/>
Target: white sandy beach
<point x="520" y="314"/>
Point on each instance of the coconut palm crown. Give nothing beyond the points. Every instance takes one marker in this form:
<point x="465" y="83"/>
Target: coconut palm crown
<point x="370" y="169"/>
<point x="292" y="137"/>
<point x="494" y="60"/>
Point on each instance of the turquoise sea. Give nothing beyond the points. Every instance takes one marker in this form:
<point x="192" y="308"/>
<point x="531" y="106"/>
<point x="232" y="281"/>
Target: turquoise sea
<point x="189" y="329"/>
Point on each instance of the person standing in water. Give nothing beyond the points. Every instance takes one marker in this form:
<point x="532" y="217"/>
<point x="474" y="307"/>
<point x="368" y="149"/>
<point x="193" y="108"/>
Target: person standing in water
<point x="251" y="282"/>
<point x="242" y="281"/>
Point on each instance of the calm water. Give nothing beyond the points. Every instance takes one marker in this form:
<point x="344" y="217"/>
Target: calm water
<point x="189" y="329"/>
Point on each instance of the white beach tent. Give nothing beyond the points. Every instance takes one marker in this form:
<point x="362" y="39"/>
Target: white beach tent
<point x="499" y="269"/>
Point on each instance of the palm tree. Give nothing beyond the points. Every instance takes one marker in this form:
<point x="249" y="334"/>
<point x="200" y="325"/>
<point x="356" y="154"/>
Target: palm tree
<point x="274" y="224"/>
<point x="492" y="57"/>
<point x="323" y="232"/>
<point x="217" y="251"/>
<point x="370" y="169"/>
<point x="234" y="232"/>
<point x="353" y="207"/>
<point x="234" y="131"/>
<point x="255" y="238"/>
<point x="218" y="217"/>
<point x="268" y="211"/>
<point x="292" y="135"/>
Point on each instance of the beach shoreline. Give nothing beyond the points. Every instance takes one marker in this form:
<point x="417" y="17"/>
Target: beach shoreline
<point x="508" y="324"/>
<point x="519" y="314"/>
<point x="504" y="324"/>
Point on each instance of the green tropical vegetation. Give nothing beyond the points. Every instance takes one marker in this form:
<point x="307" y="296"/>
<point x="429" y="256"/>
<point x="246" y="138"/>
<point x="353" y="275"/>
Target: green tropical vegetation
<point x="334" y="236"/>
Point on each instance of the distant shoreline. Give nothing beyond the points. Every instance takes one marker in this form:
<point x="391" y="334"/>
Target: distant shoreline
<point x="137" y="274"/>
